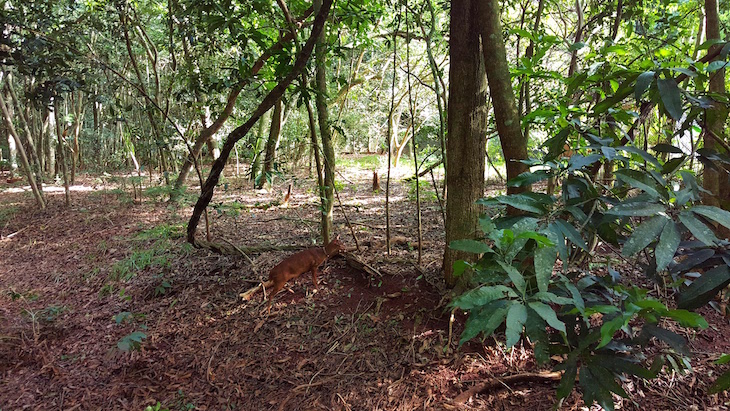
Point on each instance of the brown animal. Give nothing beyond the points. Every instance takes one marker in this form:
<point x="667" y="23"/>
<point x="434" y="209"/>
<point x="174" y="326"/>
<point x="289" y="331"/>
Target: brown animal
<point x="298" y="264"/>
<point x="376" y="182"/>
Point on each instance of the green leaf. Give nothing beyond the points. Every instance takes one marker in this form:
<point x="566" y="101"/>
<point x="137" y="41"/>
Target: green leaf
<point x="667" y="246"/>
<point x="673" y="339"/>
<point x="470" y="246"/>
<point x="724" y="359"/>
<point x="544" y="262"/>
<point x="715" y="214"/>
<point x="673" y="165"/>
<point x="619" y="365"/>
<point x="609" y="328"/>
<point x="639" y="209"/>
<point x="459" y="267"/>
<point x="721" y="384"/>
<point x="521" y="203"/>
<point x="517" y="279"/>
<point x="641" y="153"/>
<point x="528" y="178"/>
<point x="687" y="318"/>
<point x="540" y="239"/>
<point x="640" y="180"/>
<point x="642" y="84"/>
<point x="703" y="289"/>
<point x="485" y="321"/>
<point x="644" y="235"/>
<point x="571" y="234"/>
<point x="667" y="148"/>
<point x="593" y="388"/>
<point x="691" y="183"/>
<point x="567" y="381"/>
<point x="698" y="228"/>
<point x="482" y="296"/>
<point x="547" y="314"/>
<point x="516" y="317"/>
<point x="671" y="97"/>
<point x="548" y="297"/>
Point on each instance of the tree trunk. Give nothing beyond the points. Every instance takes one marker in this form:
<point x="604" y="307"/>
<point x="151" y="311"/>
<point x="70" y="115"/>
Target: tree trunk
<point x="21" y="151"/>
<point x="271" y="144"/>
<point x="466" y="131"/>
<point x="715" y="181"/>
<point x="324" y="131"/>
<point x="61" y="149"/>
<point x="514" y="143"/>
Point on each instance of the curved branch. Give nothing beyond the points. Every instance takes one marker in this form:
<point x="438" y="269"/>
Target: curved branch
<point x="241" y="131"/>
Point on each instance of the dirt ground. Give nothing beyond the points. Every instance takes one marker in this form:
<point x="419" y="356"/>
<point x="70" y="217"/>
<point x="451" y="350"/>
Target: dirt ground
<point x="77" y="283"/>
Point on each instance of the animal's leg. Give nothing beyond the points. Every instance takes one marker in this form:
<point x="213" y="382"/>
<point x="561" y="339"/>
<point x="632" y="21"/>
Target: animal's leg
<point x="314" y="277"/>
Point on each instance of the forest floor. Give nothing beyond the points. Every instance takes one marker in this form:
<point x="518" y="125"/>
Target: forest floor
<point x="78" y="283"/>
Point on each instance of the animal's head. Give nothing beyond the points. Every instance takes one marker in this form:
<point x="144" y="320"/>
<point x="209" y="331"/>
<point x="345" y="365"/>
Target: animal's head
<point x="335" y="247"/>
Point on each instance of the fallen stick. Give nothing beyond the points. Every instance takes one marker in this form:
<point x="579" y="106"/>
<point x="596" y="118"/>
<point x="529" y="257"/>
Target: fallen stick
<point x="503" y="381"/>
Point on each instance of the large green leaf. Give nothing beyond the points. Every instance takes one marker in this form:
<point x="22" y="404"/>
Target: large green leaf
<point x="523" y="202"/>
<point x="644" y="235"/>
<point x="517" y="279"/>
<point x="642" y="84"/>
<point x="715" y="214"/>
<point x="593" y="388"/>
<point x="673" y="339"/>
<point x="482" y="296"/>
<point x="641" y="153"/>
<point x="671" y="97"/>
<point x="571" y="234"/>
<point x="470" y="246"/>
<point x="697" y="228"/>
<point x="547" y="314"/>
<point x="620" y="365"/>
<point x="667" y="246"/>
<point x="703" y="289"/>
<point x="516" y="317"/>
<point x="640" y="209"/>
<point x="640" y="180"/>
<point x="544" y="262"/>
<point x="567" y="382"/>
<point x="485" y="321"/>
<point x="528" y="178"/>
<point x="687" y="318"/>
<point x="609" y="328"/>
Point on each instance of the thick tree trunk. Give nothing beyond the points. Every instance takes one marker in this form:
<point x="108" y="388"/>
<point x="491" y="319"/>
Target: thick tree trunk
<point x="466" y="131"/>
<point x="514" y="143"/>
<point x="715" y="181"/>
<point x="274" y="95"/>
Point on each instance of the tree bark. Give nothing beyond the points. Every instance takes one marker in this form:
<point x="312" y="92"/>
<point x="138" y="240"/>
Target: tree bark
<point x="325" y="132"/>
<point x="514" y="143"/>
<point x="466" y="142"/>
<point x="715" y="181"/>
<point x="271" y="143"/>
<point x="21" y="150"/>
<point x="275" y="94"/>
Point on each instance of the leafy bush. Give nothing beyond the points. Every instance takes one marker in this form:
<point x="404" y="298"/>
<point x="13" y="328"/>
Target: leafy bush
<point x="597" y="326"/>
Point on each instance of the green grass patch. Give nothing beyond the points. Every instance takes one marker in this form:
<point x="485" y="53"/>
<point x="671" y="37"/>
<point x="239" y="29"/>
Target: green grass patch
<point x="425" y="191"/>
<point x="366" y="162"/>
<point x="7" y="213"/>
